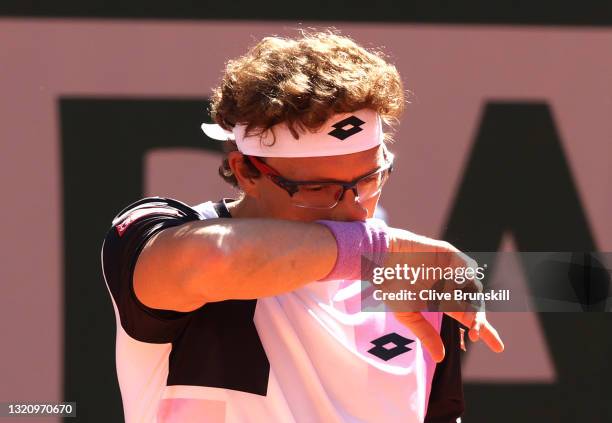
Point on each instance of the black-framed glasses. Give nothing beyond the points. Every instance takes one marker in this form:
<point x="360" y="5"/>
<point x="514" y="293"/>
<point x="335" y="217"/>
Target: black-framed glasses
<point x="326" y="194"/>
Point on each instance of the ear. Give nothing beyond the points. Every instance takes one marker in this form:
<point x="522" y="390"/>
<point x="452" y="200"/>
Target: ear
<point x="247" y="183"/>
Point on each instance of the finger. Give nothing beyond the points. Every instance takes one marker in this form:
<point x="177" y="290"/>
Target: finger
<point x="474" y="332"/>
<point x="422" y="329"/>
<point x="490" y="337"/>
<point x="469" y="320"/>
<point x="486" y="331"/>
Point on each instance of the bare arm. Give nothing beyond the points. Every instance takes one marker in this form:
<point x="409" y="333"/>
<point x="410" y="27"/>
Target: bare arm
<point x="181" y="268"/>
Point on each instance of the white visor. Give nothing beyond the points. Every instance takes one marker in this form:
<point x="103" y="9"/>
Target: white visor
<point x="344" y="133"/>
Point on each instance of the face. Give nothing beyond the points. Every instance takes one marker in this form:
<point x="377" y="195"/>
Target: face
<point x="272" y="201"/>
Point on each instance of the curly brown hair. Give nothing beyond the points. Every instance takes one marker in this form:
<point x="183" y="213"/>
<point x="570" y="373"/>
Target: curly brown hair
<point x="303" y="81"/>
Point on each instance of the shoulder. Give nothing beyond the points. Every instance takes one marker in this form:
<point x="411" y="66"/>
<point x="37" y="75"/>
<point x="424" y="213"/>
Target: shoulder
<point x="150" y="207"/>
<point x="131" y="228"/>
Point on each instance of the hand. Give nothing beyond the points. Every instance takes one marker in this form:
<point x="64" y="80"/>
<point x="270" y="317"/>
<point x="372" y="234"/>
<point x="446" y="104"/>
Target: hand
<point x="479" y="328"/>
<point x="445" y="255"/>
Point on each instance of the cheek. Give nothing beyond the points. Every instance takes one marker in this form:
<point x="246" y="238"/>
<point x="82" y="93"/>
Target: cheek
<point x="276" y="202"/>
<point x="301" y="214"/>
<point x="310" y="215"/>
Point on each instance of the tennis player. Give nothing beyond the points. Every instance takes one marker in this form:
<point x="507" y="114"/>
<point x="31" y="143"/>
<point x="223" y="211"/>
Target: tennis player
<point x="248" y="309"/>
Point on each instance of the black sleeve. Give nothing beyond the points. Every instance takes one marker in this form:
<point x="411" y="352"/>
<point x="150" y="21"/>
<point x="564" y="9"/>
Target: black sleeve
<point x="129" y="232"/>
<point x="446" y="398"/>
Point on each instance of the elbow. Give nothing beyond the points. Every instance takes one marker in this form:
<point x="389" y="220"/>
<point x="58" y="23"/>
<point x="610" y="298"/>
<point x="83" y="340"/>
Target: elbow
<point x="200" y="263"/>
<point x="177" y="271"/>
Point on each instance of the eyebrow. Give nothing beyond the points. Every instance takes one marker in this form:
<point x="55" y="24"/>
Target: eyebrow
<point x="314" y="181"/>
<point x="387" y="157"/>
<point x="388" y="160"/>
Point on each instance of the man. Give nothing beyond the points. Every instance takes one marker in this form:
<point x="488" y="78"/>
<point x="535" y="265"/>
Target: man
<point x="248" y="310"/>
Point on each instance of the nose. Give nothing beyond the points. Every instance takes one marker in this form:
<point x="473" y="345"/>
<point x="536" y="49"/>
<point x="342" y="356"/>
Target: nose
<point x="349" y="208"/>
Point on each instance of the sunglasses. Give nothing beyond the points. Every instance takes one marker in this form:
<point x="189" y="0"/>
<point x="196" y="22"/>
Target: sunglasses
<point x="325" y="194"/>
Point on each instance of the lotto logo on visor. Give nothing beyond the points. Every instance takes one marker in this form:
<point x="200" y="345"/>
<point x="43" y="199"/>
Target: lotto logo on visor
<point x="359" y="131"/>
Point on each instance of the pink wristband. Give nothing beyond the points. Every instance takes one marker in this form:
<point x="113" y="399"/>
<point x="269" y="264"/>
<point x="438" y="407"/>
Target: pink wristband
<point x="355" y="239"/>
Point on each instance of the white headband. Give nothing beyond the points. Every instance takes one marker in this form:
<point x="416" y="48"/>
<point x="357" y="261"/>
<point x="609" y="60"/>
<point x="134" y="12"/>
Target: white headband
<point x="344" y="133"/>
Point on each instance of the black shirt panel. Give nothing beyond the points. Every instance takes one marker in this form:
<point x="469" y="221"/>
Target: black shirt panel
<point x="130" y="231"/>
<point x="221" y="348"/>
<point x="446" y="402"/>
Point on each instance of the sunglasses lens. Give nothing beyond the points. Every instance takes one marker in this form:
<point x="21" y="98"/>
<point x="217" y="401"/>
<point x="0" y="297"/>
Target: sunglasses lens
<point x="326" y="196"/>
<point x="317" y="195"/>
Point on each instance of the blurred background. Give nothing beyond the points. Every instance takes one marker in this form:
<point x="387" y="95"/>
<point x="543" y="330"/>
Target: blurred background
<point x="505" y="146"/>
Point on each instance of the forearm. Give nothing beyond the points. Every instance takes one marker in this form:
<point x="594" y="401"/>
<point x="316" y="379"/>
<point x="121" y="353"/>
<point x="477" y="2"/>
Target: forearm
<point x="221" y="259"/>
<point x="264" y="257"/>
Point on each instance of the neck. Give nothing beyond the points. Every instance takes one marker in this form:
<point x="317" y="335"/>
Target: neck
<point x="244" y="207"/>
